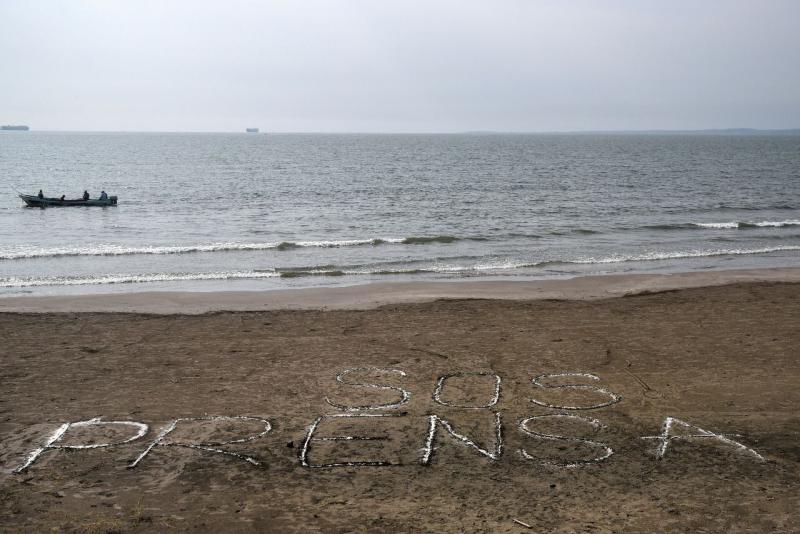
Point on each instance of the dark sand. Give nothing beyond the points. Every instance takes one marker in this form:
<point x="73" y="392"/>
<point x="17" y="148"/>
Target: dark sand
<point x="723" y="358"/>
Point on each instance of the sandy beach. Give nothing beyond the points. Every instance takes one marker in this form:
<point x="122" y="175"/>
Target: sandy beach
<point x="609" y="404"/>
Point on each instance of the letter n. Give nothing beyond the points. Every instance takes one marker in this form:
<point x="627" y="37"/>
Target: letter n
<point x="435" y="422"/>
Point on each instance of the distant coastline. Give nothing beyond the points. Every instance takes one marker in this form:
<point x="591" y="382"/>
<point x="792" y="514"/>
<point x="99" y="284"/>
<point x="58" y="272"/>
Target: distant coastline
<point x="709" y="131"/>
<point x="700" y="132"/>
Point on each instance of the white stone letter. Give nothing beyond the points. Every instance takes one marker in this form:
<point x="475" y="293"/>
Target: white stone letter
<point x="404" y="395"/>
<point x="310" y="438"/>
<point x="50" y="442"/>
<point x="667" y="435"/>
<point x="435" y="420"/>
<point x="525" y="429"/>
<point x="209" y="447"/>
<point x="613" y="397"/>
<point x="437" y="392"/>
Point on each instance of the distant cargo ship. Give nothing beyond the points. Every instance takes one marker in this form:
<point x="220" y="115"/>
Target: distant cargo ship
<point x="252" y="130"/>
<point x="14" y="127"/>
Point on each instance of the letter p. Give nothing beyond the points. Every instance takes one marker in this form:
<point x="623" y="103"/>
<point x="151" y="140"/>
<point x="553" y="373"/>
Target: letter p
<point x="51" y="442"/>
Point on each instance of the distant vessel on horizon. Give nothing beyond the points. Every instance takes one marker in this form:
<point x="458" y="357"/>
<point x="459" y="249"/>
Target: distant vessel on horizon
<point x="252" y="130"/>
<point x="20" y="127"/>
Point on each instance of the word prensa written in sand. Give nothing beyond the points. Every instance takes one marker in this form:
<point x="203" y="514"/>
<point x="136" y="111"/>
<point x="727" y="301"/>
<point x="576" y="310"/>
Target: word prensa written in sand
<point x="358" y="432"/>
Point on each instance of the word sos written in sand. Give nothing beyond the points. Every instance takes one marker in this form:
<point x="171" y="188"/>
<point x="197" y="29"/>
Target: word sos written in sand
<point x="370" y="416"/>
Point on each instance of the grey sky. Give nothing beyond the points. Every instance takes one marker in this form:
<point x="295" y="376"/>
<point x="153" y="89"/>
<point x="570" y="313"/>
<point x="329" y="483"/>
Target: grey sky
<point x="383" y="65"/>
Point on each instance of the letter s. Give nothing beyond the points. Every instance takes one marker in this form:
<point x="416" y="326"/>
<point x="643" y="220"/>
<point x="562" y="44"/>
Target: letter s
<point x="613" y="397"/>
<point x="404" y="395"/>
<point x="525" y="429"/>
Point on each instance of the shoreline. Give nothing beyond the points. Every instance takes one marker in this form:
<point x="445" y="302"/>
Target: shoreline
<point x="374" y="295"/>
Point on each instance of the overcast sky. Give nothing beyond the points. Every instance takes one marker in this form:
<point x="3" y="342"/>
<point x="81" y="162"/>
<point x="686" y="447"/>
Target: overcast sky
<point x="399" y="66"/>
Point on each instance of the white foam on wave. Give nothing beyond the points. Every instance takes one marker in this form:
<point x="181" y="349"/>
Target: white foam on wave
<point x="14" y="281"/>
<point x="22" y="282"/>
<point x="777" y="223"/>
<point x="121" y="250"/>
<point x="721" y="225"/>
<point x="677" y="255"/>
<point x="647" y="256"/>
<point x="490" y="266"/>
<point x="348" y="242"/>
<point x="746" y="224"/>
<point x="435" y="268"/>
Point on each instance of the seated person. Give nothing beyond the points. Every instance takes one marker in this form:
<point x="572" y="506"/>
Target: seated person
<point x="85" y="195"/>
<point x="40" y="195"/>
<point x="62" y="198"/>
<point x="103" y="195"/>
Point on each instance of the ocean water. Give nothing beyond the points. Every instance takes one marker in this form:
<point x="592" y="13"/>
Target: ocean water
<point x="205" y="212"/>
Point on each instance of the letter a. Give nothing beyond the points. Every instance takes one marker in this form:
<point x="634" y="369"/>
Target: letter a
<point x="667" y="435"/>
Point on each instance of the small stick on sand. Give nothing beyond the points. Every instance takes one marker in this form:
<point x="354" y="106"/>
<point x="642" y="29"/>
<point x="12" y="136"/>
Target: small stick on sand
<point x="526" y="525"/>
<point x="641" y="382"/>
<point x="439" y="354"/>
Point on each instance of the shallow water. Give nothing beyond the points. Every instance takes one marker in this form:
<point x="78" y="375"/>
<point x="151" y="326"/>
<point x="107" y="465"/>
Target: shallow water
<point x="239" y="211"/>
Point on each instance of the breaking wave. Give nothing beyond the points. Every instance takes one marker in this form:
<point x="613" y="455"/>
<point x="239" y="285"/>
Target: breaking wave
<point x="727" y="225"/>
<point x="121" y="250"/>
<point x="677" y="255"/>
<point x="414" y="240"/>
<point x="439" y="268"/>
<point x="436" y="268"/>
<point x="14" y="281"/>
<point x="386" y="270"/>
<point x="747" y="224"/>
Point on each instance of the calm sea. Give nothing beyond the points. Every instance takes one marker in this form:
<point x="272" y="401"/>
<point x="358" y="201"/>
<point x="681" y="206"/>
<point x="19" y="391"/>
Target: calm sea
<point x="254" y="211"/>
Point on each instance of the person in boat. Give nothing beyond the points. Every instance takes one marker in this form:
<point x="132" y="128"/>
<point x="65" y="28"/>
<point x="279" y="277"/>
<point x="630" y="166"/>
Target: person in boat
<point x="62" y="198"/>
<point x="40" y="195"/>
<point x="85" y="195"/>
<point x="103" y="195"/>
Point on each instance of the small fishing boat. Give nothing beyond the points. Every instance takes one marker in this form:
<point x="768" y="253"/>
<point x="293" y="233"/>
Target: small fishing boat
<point x="33" y="201"/>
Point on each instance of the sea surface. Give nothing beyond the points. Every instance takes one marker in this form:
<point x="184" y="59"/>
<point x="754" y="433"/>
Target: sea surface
<point x="207" y="212"/>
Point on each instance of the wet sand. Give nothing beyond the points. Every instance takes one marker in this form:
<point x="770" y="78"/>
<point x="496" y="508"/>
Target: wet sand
<point x="721" y="358"/>
<point x="368" y="296"/>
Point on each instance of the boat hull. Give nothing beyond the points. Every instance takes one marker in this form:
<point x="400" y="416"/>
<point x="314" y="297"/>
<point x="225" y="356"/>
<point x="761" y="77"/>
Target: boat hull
<point x="33" y="201"/>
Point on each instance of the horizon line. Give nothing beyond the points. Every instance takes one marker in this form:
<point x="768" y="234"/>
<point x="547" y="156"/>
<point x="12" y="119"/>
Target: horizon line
<point x="451" y="132"/>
